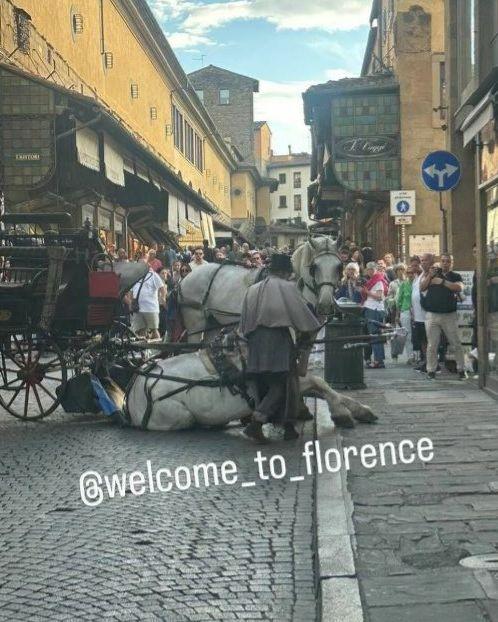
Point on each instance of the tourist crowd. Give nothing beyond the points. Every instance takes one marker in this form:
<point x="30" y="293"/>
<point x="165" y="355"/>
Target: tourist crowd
<point x="421" y="297"/>
<point x="153" y="302"/>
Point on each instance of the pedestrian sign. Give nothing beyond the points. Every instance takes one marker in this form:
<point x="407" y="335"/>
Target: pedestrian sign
<point x="441" y="171"/>
<point x="402" y="202"/>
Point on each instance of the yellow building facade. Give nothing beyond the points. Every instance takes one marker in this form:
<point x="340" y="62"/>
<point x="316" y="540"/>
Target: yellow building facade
<point x="114" y="52"/>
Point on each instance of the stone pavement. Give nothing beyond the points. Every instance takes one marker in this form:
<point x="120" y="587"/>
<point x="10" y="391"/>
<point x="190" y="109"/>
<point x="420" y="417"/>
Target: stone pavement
<point x="414" y="522"/>
<point x="217" y="553"/>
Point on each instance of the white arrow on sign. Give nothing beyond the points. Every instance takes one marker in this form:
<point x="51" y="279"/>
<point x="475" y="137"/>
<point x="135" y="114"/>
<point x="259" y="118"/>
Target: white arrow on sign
<point x="448" y="170"/>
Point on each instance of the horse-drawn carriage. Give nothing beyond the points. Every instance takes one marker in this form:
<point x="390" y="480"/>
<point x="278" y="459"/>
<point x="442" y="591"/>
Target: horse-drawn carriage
<point x="60" y="308"/>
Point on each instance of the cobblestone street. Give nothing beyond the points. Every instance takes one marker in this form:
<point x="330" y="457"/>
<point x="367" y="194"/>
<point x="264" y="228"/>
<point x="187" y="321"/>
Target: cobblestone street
<point x="415" y="522"/>
<point x="217" y="553"/>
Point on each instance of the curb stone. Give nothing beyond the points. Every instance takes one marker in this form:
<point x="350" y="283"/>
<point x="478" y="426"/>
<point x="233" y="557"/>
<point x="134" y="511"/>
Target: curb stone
<point x="337" y="585"/>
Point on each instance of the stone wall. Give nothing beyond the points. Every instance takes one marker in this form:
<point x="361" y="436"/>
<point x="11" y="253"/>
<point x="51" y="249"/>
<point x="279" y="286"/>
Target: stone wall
<point x="235" y="120"/>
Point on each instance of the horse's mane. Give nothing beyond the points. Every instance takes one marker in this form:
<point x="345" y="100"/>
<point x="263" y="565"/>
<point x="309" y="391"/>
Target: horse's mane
<point x="305" y="252"/>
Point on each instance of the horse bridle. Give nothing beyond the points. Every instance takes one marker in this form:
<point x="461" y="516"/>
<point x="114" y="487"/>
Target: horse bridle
<point x="312" y="268"/>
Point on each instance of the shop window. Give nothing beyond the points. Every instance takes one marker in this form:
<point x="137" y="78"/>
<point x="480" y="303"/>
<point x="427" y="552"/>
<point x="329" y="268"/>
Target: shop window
<point x="466" y="45"/>
<point x="224" y="97"/>
<point x="178" y="128"/>
<point x="282" y="178"/>
<point x="282" y="201"/>
<point x="23" y="24"/>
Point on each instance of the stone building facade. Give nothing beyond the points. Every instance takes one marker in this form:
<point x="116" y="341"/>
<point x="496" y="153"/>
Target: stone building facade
<point x="228" y="97"/>
<point x="472" y="114"/>
<point x="371" y="134"/>
<point x="289" y="215"/>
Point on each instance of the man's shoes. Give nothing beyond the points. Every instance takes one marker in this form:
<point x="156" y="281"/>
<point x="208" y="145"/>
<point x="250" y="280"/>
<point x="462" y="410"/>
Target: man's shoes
<point x="290" y="433"/>
<point x="462" y="375"/>
<point x="431" y="375"/>
<point x="378" y="365"/>
<point x="254" y="431"/>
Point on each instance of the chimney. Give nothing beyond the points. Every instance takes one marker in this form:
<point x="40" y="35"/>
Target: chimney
<point x="290" y="149"/>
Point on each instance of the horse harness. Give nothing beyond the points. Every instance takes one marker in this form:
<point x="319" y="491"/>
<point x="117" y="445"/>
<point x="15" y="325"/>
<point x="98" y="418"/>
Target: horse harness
<point x="229" y="376"/>
<point x="207" y="312"/>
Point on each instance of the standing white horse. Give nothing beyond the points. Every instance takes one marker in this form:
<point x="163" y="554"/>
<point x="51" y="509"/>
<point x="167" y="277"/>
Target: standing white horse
<point x="189" y="389"/>
<point x="212" y="294"/>
<point x="318" y="269"/>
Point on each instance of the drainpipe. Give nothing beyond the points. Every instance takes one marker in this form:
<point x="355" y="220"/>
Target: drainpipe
<point x="102" y="37"/>
<point x="482" y="270"/>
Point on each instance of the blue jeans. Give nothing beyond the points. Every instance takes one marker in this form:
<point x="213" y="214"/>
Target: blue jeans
<point x="371" y="317"/>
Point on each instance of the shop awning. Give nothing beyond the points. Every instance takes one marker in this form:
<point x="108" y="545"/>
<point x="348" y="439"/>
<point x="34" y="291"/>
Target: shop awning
<point x="113" y="161"/>
<point x="480" y="116"/>
<point x="87" y="148"/>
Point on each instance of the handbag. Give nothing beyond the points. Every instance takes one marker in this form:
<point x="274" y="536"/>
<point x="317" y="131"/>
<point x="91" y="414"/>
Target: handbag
<point x="398" y="342"/>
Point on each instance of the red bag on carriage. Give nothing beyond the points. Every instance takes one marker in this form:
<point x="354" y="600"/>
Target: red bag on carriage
<point x="103" y="285"/>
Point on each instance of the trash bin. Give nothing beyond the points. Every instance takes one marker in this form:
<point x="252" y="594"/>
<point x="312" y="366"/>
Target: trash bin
<point x="344" y="367"/>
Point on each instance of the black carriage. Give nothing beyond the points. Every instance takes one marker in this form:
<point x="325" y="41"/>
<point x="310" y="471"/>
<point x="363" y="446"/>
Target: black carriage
<point x="61" y="305"/>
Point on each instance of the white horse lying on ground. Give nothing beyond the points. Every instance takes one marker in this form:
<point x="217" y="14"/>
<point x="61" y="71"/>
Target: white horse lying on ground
<point x="180" y="401"/>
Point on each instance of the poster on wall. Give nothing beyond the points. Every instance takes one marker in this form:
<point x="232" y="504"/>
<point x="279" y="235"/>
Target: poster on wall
<point x="420" y="244"/>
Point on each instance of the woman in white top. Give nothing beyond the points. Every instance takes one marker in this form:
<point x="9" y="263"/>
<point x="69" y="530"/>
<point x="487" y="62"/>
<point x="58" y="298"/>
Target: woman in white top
<point x="374" y="294"/>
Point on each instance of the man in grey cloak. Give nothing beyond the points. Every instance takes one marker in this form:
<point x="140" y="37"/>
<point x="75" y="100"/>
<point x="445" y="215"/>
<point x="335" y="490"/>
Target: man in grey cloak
<point x="278" y="325"/>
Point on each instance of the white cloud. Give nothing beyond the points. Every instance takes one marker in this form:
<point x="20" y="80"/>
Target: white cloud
<point x="182" y="40"/>
<point x="281" y="105"/>
<point x="326" y="15"/>
<point x="284" y="14"/>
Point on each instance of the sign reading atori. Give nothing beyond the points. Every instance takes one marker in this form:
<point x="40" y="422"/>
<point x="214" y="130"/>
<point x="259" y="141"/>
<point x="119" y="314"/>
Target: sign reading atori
<point x="371" y="147"/>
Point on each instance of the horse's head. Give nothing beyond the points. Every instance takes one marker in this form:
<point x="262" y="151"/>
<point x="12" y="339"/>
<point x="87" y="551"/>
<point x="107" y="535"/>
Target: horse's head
<point x="317" y="261"/>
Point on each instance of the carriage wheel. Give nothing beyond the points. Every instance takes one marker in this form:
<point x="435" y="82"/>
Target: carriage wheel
<point x="32" y="367"/>
<point x="123" y="338"/>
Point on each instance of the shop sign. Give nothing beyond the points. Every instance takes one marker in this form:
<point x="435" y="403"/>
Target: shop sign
<point x="420" y="244"/>
<point x="27" y="157"/>
<point x="366" y="148"/>
<point x="403" y="220"/>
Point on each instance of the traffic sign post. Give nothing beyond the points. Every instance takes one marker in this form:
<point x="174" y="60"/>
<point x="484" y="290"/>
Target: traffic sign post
<point x="441" y="171"/>
<point x="403" y="209"/>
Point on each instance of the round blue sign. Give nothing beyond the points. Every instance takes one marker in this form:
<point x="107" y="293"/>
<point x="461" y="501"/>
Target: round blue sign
<point x="441" y="171"/>
<point x="403" y="207"/>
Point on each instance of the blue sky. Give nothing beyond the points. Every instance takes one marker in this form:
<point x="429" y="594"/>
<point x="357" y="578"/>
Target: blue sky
<point x="285" y="44"/>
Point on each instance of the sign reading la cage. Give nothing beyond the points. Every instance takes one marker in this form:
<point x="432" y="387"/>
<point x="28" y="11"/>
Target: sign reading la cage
<point x="368" y="147"/>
